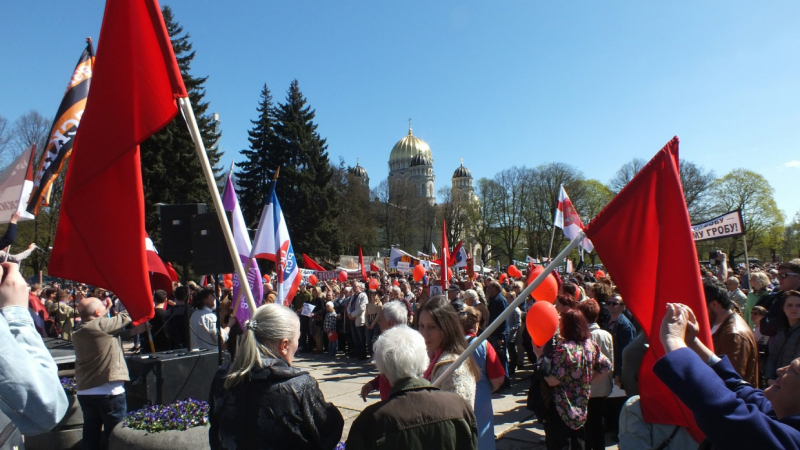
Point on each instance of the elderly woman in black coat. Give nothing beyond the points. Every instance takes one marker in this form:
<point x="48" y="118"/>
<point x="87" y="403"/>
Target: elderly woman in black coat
<point x="261" y="401"/>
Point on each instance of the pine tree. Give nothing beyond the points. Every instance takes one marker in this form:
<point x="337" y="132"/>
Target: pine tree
<point x="254" y="174"/>
<point x="307" y="196"/>
<point x="171" y="172"/>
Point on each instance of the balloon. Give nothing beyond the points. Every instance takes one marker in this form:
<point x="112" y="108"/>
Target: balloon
<point x="227" y="276"/>
<point x="542" y="322"/>
<point x="312" y="279"/>
<point x="449" y="273"/>
<point x="503" y="277"/>
<point x="342" y="276"/>
<point x="513" y="271"/>
<point x="374" y="284"/>
<point x="547" y="289"/>
<point x="228" y="284"/>
<point x="266" y="278"/>
<point x="419" y="272"/>
<point x="599" y="274"/>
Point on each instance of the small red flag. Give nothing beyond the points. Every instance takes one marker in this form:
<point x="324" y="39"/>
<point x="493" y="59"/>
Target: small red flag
<point x="373" y="267"/>
<point x="135" y="84"/>
<point x="361" y="264"/>
<point x="649" y="217"/>
<point x="445" y="258"/>
<point x="310" y="264"/>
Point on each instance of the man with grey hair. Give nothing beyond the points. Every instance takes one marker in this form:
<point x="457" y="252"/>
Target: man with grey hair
<point x="736" y="294"/>
<point x="471" y="298"/>
<point x="392" y="314"/>
<point x="445" y="422"/>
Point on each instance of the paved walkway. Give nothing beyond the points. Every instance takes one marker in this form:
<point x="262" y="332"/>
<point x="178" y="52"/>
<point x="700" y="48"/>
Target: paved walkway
<point x="341" y="380"/>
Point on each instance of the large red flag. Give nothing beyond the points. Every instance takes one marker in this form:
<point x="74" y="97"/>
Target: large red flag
<point x="649" y="219"/>
<point x="135" y="84"/>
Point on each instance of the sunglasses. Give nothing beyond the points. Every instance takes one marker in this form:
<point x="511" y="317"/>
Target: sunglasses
<point x="786" y="275"/>
<point x="614" y="303"/>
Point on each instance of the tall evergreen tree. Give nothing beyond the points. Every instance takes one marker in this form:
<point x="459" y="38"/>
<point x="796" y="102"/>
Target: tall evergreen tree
<point x="171" y="172"/>
<point x="254" y="174"/>
<point x="307" y="196"/>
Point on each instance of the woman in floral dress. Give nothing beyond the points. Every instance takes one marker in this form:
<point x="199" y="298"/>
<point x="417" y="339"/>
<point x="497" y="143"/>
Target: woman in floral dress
<point x="575" y="361"/>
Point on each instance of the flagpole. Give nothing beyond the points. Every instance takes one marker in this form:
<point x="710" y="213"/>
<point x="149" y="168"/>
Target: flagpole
<point x="194" y="130"/>
<point x="746" y="259"/>
<point x="511" y="307"/>
<point x="552" y="238"/>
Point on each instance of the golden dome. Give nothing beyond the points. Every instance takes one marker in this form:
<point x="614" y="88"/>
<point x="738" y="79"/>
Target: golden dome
<point x="408" y="147"/>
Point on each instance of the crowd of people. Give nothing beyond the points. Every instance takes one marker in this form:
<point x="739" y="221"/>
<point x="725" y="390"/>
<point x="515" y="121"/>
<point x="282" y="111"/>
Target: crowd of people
<point x="585" y="378"/>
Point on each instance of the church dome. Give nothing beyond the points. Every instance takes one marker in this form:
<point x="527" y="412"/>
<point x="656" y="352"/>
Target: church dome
<point x="408" y="147"/>
<point x="359" y="171"/>
<point x="421" y="160"/>
<point x="462" y="172"/>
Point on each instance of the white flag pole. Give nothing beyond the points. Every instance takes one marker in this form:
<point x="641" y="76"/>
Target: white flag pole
<point x="194" y="130"/>
<point x="502" y="317"/>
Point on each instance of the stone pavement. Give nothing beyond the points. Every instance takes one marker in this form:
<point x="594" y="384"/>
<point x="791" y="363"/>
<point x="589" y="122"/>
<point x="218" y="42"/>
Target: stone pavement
<point x="341" y="379"/>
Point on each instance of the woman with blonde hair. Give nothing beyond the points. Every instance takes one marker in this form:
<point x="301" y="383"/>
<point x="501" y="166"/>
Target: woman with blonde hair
<point x="261" y="401"/>
<point x="758" y="282"/>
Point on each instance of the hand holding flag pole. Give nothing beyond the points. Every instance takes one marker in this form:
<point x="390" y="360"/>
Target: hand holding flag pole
<point x="511" y="307"/>
<point x="194" y="130"/>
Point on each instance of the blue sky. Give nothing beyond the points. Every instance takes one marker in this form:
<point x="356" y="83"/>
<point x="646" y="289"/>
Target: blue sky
<point x="593" y="84"/>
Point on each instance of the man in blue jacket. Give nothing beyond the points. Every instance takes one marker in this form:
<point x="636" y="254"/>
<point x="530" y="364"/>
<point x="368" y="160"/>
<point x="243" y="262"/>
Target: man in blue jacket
<point x="731" y="413"/>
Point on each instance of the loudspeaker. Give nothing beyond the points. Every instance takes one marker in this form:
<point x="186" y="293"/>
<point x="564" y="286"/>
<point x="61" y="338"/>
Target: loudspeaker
<point x="209" y="250"/>
<point x="165" y="377"/>
<point x="176" y="231"/>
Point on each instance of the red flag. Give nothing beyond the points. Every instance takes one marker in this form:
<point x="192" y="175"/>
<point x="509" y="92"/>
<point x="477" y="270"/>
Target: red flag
<point x="649" y="217"/>
<point x="361" y="264"/>
<point x="445" y="257"/>
<point x="171" y="270"/>
<point x="373" y="267"/>
<point x="160" y="277"/>
<point x="311" y="264"/>
<point x="135" y="84"/>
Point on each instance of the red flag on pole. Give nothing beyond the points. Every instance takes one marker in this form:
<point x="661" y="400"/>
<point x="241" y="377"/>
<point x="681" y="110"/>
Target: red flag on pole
<point x="373" y="267"/>
<point x="135" y="84"/>
<point x="361" y="263"/>
<point x="445" y="258"/>
<point x="649" y="216"/>
<point x="310" y="264"/>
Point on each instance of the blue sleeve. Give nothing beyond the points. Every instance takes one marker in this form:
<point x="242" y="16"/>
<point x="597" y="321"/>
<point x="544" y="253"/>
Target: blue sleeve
<point x="497" y="306"/>
<point x="731" y="415"/>
<point x="9" y="236"/>
<point x="30" y="392"/>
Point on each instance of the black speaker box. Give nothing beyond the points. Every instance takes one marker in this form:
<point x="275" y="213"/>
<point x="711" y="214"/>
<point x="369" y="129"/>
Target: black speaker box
<point x="165" y="377"/>
<point x="209" y="250"/>
<point x="176" y="231"/>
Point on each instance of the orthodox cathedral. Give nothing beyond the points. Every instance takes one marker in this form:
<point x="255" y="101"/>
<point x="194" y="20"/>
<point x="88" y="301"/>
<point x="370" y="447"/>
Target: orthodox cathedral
<point x="411" y="161"/>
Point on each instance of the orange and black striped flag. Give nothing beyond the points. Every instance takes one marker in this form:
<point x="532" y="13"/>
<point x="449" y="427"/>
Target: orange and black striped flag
<point x="62" y="134"/>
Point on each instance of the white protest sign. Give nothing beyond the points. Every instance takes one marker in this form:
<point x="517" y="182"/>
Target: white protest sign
<point x="15" y="188"/>
<point x="403" y="267"/>
<point x="308" y="310"/>
<point x="726" y="225"/>
<point x="436" y="290"/>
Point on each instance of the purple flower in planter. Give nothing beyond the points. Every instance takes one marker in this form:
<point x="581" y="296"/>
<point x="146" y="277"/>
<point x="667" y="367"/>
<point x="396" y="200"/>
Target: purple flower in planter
<point x="69" y="384"/>
<point x="180" y="415"/>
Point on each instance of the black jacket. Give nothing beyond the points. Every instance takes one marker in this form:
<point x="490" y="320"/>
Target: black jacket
<point x="278" y="407"/>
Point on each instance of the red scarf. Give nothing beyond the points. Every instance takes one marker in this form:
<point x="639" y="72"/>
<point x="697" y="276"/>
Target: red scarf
<point x="429" y="371"/>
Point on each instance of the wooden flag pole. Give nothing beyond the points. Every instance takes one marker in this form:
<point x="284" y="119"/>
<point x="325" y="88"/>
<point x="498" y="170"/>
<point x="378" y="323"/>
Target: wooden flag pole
<point x="194" y="130"/>
<point x="511" y="307"/>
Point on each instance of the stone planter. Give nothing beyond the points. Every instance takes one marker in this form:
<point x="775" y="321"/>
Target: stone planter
<point x="124" y="438"/>
<point x="67" y="435"/>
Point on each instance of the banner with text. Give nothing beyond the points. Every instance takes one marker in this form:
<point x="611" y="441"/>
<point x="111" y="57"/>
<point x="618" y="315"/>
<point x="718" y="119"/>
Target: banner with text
<point x="726" y="225"/>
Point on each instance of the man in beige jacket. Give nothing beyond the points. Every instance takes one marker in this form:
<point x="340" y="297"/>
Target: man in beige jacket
<point x="100" y="369"/>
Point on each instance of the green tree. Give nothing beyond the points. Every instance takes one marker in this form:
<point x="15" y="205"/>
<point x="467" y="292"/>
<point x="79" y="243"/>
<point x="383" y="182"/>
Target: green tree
<point x="791" y="241"/>
<point x="171" y="172"/>
<point x="307" y="196"/>
<point x="749" y="191"/>
<point x="254" y="175"/>
<point x="355" y="219"/>
<point x="596" y="196"/>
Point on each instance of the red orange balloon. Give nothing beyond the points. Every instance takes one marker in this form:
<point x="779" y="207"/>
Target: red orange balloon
<point x="374" y="284"/>
<point x="449" y="273"/>
<point x="342" y="276"/>
<point x="547" y="289"/>
<point x="419" y="272"/>
<point x="542" y="322"/>
<point x="266" y="278"/>
<point x="312" y="279"/>
<point x="228" y="283"/>
<point x="502" y="278"/>
<point x="513" y="271"/>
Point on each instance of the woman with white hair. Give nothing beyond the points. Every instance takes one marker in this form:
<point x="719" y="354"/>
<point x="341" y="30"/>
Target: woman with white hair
<point x="416" y="415"/>
<point x="261" y="401"/>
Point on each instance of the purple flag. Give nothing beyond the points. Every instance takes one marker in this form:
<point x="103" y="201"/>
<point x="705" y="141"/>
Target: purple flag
<point x="242" y="240"/>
